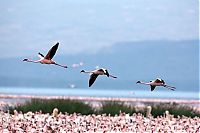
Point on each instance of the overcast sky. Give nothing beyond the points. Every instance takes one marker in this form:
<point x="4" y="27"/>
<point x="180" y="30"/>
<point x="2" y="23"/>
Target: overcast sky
<point x="27" y="27"/>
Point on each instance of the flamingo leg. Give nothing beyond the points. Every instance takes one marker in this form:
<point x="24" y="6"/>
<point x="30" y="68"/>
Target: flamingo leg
<point x="60" y="65"/>
<point x="112" y="76"/>
<point x="170" y="87"/>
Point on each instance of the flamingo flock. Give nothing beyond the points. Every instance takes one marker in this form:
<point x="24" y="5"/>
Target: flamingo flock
<point x="93" y="74"/>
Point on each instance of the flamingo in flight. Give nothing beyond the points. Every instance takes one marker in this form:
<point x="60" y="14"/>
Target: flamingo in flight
<point x="157" y="82"/>
<point x="48" y="58"/>
<point x="95" y="73"/>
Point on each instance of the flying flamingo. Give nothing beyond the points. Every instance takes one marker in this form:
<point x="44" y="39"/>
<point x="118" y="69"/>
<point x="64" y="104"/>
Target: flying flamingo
<point x="48" y="58"/>
<point x="157" y="82"/>
<point x="95" y="73"/>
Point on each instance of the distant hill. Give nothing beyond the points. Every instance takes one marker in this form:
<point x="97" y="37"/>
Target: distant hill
<point x="174" y="61"/>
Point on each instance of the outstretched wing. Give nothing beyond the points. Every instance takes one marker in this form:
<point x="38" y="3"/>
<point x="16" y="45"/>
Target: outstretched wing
<point x="162" y="81"/>
<point x="52" y="52"/>
<point x="92" y="79"/>
<point x="152" y="87"/>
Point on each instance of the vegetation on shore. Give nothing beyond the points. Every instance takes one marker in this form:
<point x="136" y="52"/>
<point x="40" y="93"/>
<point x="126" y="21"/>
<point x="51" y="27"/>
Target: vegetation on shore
<point x="174" y="109"/>
<point x="47" y="106"/>
<point x="110" y="108"/>
<point x="114" y="108"/>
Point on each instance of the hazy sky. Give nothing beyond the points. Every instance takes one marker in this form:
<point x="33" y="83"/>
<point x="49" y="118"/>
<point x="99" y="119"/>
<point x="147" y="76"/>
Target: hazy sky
<point x="27" y="27"/>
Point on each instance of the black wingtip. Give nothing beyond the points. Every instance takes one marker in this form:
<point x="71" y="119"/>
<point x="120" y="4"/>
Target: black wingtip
<point x="90" y="85"/>
<point x="107" y="74"/>
<point x="57" y="44"/>
<point x="41" y="54"/>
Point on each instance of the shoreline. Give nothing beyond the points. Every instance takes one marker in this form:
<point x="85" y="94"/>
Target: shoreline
<point x="101" y="99"/>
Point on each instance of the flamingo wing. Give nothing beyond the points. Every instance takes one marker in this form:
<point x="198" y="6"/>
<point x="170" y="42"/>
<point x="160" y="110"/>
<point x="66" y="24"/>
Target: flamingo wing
<point x="159" y="81"/>
<point x="92" y="79"/>
<point x="152" y="87"/>
<point x="52" y="52"/>
<point x="41" y="56"/>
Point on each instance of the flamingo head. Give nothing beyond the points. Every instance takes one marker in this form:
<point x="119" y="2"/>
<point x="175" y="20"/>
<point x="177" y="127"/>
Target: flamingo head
<point x="25" y="59"/>
<point x="82" y="71"/>
<point x="138" y="82"/>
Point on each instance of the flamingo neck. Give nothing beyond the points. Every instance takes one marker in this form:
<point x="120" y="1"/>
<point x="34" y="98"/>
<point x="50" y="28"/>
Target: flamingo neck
<point x="87" y="72"/>
<point x="37" y="61"/>
<point x="144" y="83"/>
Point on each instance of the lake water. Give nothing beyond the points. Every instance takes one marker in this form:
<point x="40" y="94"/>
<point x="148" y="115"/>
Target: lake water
<point x="93" y="92"/>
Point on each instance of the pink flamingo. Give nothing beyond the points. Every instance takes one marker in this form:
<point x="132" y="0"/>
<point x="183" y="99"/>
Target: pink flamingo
<point x="48" y="58"/>
<point x="157" y="82"/>
<point x="95" y="73"/>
